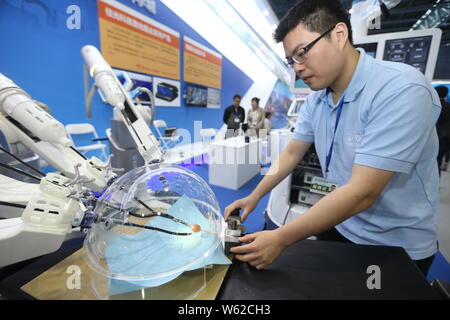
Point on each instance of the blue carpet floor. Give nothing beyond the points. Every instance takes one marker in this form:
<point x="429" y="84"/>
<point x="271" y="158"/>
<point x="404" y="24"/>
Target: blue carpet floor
<point x="440" y="269"/>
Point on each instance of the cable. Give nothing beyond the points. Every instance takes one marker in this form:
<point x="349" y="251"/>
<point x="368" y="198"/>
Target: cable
<point x="152" y="102"/>
<point x="88" y="94"/>
<point x="10" y="204"/>
<point x="89" y="102"/>
<point x="19" y="171"/>
<point x="80" y="154"/>
<point x="129" y="212"/>
<point x="287" y="213"/>
<point x="157" y="229"/>
<point x="156" y="214"/>
<point x="22" y="162"/>
<point x="129" y="224"/>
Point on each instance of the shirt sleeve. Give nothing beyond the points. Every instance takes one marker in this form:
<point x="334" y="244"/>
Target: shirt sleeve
<point x="262" y="118"/>
<point x="303" y="127"/>
<point x="397" y="129"/>
<point x="226" y="115"/>
<point x="242" y="115"/>
<point x="249" y="117"/>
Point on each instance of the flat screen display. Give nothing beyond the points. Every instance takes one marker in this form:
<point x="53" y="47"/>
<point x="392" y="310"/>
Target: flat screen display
<point x="297" y="85"/>
<point x="412" y="51"/>
<point x="300" y="84"/>
<point x="369" y="48"/>
<point x="164" y="91"/>
<point x="196" y="96"/>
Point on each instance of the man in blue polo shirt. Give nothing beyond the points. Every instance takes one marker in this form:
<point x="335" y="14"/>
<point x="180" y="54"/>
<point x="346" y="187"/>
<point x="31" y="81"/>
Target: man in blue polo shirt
<point x="373" y="126"/>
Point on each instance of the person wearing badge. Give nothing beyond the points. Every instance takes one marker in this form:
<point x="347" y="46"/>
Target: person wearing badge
<point x="234" y="116"/>
<point x="373" y="126"/>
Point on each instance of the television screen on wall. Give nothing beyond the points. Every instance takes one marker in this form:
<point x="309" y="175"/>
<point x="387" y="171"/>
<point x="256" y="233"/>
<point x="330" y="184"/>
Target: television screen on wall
<point x="195" y="95"/>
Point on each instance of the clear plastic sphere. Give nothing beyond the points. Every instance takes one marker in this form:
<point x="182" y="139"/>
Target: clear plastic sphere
<point x="155" y="222"/>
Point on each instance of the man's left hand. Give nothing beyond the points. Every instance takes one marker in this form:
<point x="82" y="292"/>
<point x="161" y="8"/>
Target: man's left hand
<point x="262" y="248"/>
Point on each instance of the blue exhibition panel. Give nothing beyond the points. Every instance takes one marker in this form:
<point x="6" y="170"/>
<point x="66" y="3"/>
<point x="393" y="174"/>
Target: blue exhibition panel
<point x="42" y="55"/>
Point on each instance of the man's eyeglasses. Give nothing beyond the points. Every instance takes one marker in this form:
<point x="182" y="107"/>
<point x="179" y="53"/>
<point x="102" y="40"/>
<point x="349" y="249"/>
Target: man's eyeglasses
<point x="299" y="56"/>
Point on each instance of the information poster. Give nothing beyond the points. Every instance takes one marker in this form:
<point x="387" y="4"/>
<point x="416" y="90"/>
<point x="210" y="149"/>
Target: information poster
<point x="202" y="65"/>
<point x="213" y="98"/>
<point x="133" y="41"/>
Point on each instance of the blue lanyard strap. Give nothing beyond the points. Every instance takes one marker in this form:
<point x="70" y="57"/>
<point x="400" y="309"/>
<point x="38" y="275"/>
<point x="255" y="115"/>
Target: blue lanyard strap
<point x="338" y="117"/>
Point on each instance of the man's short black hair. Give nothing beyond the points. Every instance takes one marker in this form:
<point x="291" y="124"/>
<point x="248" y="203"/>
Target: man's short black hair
<point x="442" y="91"/>
<point x="256" y="99"/>
<point x="237" y="96"/>
<point x="316" y="15"/>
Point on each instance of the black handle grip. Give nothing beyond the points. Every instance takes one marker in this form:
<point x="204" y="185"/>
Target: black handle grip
<point x="235" y="213"/>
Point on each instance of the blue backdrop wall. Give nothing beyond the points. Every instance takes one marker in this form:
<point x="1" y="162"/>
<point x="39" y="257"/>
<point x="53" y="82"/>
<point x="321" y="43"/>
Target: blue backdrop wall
<point x="40" y="54"/>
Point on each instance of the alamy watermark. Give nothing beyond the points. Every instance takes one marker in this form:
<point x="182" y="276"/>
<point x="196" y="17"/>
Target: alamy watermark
<point x="374" y="280"/>
<point x="374" y="24"/>
<point x="73" y="21"/>
<point x="73" y="281"/>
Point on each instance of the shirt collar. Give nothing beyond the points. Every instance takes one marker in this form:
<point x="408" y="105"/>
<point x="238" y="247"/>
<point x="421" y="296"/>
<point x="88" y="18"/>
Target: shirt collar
<point x="359" y="78"/>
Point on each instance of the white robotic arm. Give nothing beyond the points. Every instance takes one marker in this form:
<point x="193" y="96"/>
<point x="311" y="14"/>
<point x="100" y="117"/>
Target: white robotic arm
<point x="52" y="208"/>
<point x="116" y="95"/>
<point x="46" y="136"/>
<point x="17" y="104"/>
<point x="50" y="214"/>
<point x="59" y="205"/>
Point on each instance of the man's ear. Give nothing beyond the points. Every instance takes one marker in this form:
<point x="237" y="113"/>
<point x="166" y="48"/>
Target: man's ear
<point x="341" y="32"/>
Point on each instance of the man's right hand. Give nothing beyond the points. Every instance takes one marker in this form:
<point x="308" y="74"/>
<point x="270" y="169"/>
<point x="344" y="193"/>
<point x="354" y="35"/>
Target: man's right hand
<point x="247" y="205"/>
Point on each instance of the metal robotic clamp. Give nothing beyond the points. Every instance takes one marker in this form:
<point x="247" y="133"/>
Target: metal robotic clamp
<point x="233" y="231"/>
<point x="114" y="93"/>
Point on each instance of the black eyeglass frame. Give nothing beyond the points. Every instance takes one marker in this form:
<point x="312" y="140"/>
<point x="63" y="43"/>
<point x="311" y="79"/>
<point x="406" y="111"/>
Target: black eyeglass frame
<point x="292" y="60"/>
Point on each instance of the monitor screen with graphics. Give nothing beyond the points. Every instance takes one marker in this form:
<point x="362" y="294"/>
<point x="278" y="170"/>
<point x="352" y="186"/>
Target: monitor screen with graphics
<point x="413" y="51"/>
<point x="418" y="48"/>
<point x="370" y="48"/>
<point x="297" y="85"/>
<point x="196" y="96"/>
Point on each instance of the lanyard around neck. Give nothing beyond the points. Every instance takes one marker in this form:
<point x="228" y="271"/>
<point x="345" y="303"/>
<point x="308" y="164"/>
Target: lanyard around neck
<point x="338" y="117"/>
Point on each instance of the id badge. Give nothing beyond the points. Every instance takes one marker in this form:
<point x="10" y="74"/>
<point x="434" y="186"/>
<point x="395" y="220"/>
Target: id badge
<point x="321" y="186"/>
<point x="237" y="120"/>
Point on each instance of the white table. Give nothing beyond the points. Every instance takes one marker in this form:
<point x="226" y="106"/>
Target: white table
<point x="188" y="153"/>
<point x="233" y="162"/>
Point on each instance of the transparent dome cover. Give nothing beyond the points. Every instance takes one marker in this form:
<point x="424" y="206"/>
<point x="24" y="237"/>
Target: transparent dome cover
<point x="155" y="222"/>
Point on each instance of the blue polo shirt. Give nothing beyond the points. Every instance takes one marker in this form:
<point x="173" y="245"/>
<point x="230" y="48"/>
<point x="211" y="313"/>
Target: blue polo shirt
<point x="387" y="122"/>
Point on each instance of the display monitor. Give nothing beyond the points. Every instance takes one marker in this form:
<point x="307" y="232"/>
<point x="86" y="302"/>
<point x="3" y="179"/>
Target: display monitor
<point x="297" y="85"/>
<point x="418" y="48"/>
<point x="413" y="51"/>
<point x="370" y="48"/>
<point x="213" y="98"/>
<point x="196" y="96"/>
